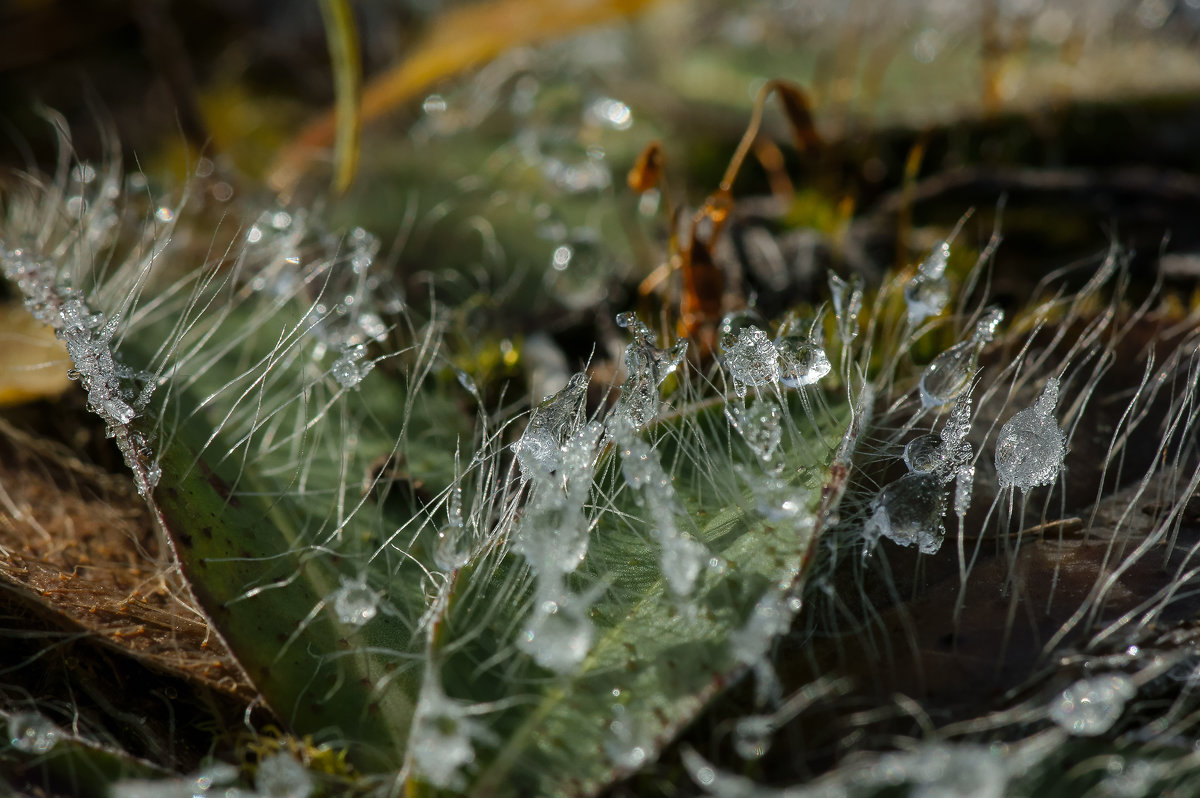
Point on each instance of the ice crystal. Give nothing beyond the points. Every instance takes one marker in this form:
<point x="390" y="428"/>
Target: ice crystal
<point x="553" y="421"/>
<point x="1090" y="707"/>
<point x="681" y="557"/>
<point x="647" y="367"/>
<point x="115" y="392"/>
<point x="350" y="368"/>
<point x="1031" y="445"/>
<point x="751" y="358"/>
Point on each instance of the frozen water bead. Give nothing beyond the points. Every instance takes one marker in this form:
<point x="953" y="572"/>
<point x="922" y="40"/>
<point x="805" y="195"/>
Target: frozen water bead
<point x="1090" y="707"/>
<point x="539" y="451"/>
<point x="1031" y="446"/>
<point x="751" y="358"/>
<point x="558" y="637"/>
<point x="909" y="512"/>
<point x="804" y="362"/>
<point x="760" y="426"/>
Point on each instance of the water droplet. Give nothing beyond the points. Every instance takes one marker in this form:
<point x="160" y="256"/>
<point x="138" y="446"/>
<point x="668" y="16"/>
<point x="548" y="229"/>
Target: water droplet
<point x="32" y="733"/>
<point x="164" y="214"/>
<point x="355" y="603"/>
<point x="1090" y="707"/>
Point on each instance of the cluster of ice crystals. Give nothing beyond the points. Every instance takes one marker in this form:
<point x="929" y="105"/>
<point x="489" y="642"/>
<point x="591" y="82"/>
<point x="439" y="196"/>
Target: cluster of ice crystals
<point x="760" y="425"/>
<point x="282" y="776"/>
<point x="949" y="374"/>
<point x="115" y="392"/>
<point x="558" y="635"/>
<point x="32" y="732"/>
<point x="355" y="603"/>
<point x="553" y="534"/>
<point x="1090" y="707"/>
<point x="928" y="293"/>
<point x="648" y="367"/>
<point x="540" y="449"/>
<point x="442" y="741"/>
<point x="211" y="780"/>
<point x="909" y="511"/>
<point x="1031" y="445"/>
<point x="350" y="368"/>
<point x="751" y="358"/>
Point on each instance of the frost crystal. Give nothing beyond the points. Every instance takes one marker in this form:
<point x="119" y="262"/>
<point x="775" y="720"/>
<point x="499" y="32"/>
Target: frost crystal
<point x="558" y="636"/>
<point x="281" y="776"/>
<point x="355" y="603"/>
<point x="557" y="418"/>
<point x="949" y="374"/>
<point x="1031" y="446"/>
<point x="928" y="293"/>
<point x="115" y="392"/>
<point x="1090" y="707"/>
<point x="760" y="426"/>
<point x="751" y="358"/>
<point x="32" y="733"/>
<point x="349" y="369"/>
<point x="648" y="366"/>
<point x="442" y="738"/>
